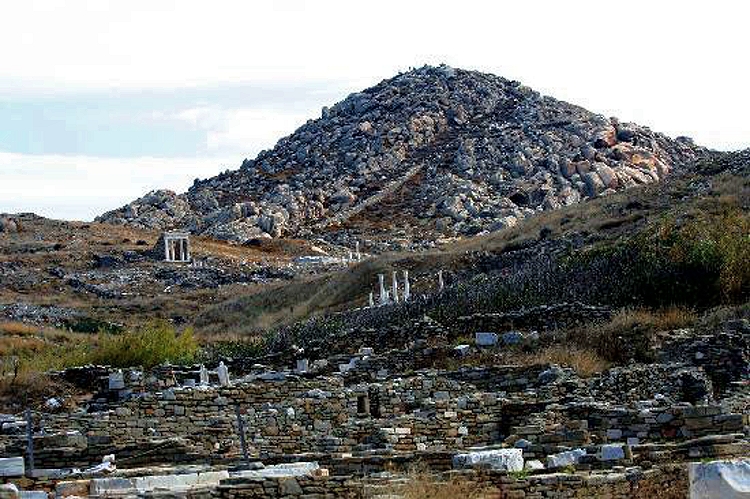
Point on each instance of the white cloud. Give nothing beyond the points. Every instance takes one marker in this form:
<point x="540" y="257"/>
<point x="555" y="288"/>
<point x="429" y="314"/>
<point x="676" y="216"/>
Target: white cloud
<point x="678" y="66"/>
<point x="238" y="131"/>
<point x="239" y="127"/>
<point x="75" y="187"/>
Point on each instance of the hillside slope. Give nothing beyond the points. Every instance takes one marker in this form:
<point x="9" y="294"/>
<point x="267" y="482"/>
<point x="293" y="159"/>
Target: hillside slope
<point x="433" y="152"/>
<point x="653" y="245"/>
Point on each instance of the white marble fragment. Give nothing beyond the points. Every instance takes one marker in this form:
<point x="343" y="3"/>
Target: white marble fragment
<point x="498" y="459"/>
<point x="720" y="480"/>
<point x="483" y="339"/>
<point x="566" y="458"/>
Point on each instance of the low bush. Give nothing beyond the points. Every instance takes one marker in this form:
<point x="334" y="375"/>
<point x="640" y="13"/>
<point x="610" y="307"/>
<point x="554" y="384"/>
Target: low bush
<point x="153" y="344"/>
<point x="699" y="261"/>
<point x="26" y="389"/>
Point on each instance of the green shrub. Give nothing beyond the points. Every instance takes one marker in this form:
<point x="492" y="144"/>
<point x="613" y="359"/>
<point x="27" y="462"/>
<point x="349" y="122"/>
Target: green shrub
<point x="698" y="261"/>
<point x="712" y="253"/>
<point x="153" y="344"/>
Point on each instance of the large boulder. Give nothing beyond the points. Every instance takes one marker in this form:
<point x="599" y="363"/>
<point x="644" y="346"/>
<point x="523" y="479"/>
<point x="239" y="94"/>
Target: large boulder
<point x="720" y="480"/>
<point x="8" y="225"/>
<point x="273" y="223"/>
<point x="612" y="452"/>
<point x="9" y="491"/>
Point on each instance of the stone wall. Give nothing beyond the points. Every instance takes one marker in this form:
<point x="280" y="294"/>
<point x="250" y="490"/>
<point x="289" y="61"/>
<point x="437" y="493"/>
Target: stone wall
<point x="290" y="487"/>
<point x="429" y="411"/>
<point x="665" y="482"/>
<point x="552" y="317"/>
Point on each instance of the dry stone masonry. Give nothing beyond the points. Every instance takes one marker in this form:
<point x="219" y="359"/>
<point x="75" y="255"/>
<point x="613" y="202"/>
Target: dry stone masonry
<point x="331" y="427"/>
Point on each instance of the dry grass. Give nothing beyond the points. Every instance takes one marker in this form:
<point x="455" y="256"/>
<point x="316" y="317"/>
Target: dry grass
<point x="17" y="328"/>
<point x="666" y="319"/>
<point x="24" y="359"/>
<point x="716" y="317"/>
<point x="630" y="333"/>
<point x="54" y="349"/>
<point x="15" y="346"/>
<point x="585" y="362"/>
<point x="16" y="392"/>
<point x="423" y="485"/>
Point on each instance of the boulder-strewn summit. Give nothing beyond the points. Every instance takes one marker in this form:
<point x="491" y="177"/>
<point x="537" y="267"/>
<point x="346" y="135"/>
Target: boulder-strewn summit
<point x="435" y="151"/>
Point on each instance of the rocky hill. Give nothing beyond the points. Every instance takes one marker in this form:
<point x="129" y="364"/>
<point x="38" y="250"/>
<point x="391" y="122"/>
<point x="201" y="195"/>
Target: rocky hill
<point x="433" y="152"/>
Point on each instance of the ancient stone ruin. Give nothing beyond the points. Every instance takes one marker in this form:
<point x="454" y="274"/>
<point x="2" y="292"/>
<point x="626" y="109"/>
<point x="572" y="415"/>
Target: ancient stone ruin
<point x="174" y="247"/>
<point x="352" y="420"/>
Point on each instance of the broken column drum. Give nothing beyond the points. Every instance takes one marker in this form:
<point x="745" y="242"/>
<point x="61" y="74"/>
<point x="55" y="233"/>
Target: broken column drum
<point x="176" y="246"/>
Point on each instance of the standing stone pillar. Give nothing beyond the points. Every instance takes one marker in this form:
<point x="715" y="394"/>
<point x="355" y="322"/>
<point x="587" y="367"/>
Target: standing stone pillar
<point x="223" y="374"/>
<point x="357" y="254"/>
<point x="383" y="295"/>
<point x="441" y="283"/>
<point x="204" y="376"/>
<point x="395" y="286"/>
<point x="371" y="301"/>
<point x="407" y="286"/>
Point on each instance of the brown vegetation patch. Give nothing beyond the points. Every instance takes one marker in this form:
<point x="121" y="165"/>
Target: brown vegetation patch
<point x="630" y="333"/>
<point x="585" y="362"/>
<point x="423" y="485"/>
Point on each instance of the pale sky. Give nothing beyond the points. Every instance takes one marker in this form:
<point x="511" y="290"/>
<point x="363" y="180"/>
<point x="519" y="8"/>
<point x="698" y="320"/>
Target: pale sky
<point x="102" y="101"/>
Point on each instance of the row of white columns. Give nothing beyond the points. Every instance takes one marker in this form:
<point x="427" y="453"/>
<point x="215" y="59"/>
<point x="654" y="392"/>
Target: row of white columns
<point x="176" y="249"/>
<point x="385" y="296"/>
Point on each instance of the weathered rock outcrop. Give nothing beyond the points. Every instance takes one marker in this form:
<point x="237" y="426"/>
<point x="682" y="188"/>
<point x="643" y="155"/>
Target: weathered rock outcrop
<point x="8" y="225"/>
<point x="447" y="151"/>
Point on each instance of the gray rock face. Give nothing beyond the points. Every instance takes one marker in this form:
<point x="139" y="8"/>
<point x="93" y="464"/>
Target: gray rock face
<point x="450" y="151"/>
<point x="8" y="225"/>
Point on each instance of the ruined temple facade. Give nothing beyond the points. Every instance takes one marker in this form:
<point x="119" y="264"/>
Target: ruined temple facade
<point x="174" y="247"/>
